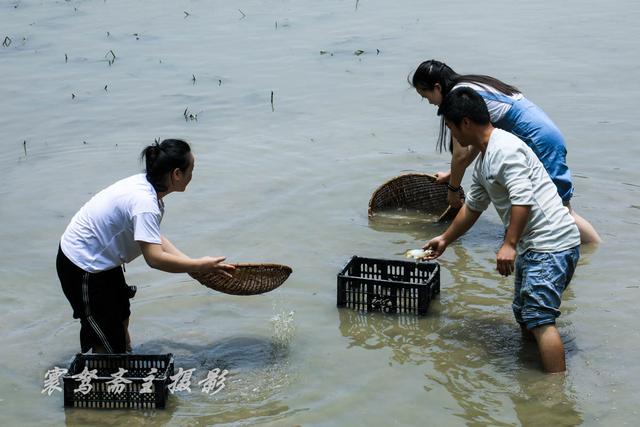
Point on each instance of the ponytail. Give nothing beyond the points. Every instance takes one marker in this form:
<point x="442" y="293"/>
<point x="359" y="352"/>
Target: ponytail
<point x="162" y="159"/>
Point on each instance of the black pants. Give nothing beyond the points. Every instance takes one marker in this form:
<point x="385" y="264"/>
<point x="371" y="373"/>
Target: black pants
<point x="99" y="300"/>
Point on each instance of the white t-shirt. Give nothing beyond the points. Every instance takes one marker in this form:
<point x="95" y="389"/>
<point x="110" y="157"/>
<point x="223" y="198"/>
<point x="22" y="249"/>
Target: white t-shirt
<point x="509" y="173"/>
<point x="105" y="232"/>
<point x="497" y="109"/>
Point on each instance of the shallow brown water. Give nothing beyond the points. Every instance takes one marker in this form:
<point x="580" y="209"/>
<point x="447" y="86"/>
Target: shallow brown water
<point x="290" y="184"/>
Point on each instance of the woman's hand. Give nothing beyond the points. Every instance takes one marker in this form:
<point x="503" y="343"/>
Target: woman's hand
<point x="167" y="257"/>
<point x="453" y="198"/>
<point x="215" y="265"/>
<point x="443" y="177"/>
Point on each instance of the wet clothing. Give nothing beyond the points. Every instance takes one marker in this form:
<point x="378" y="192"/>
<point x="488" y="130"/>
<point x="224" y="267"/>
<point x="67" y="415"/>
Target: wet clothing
<point x="518" y="115"/>
<point x="99" y="300"/>
<point x="102" y="236"/>
<point x="540" y="280"/>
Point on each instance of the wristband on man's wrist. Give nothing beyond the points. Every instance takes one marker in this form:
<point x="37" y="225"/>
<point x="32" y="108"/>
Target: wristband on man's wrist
<point x="452" y="188"/>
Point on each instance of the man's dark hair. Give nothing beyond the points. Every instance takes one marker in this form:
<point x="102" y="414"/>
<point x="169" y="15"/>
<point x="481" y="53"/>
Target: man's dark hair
<point x="464" y="102"/>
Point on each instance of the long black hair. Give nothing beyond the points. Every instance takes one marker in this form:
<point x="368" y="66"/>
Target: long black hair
<point x="163" y="158"/>
<point x="464" y="102"/>
<point x="432" y="71"/>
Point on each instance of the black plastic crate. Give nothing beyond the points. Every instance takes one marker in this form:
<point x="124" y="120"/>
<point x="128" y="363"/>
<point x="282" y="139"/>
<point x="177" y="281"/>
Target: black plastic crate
<point x="389" y="286"/>
<point x="138" y="367"/>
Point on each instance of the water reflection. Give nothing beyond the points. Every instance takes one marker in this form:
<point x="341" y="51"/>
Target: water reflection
<point x="133" y="417"/>
<point x="259" y="372"/>
<point x="474" y="345"/>
<point x="415" y="223"/>
<point x="483" y="364"/>
<point x="408" y="337"/>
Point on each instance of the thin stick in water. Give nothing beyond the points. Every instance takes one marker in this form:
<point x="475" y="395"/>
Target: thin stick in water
<point x="113" y="57"/>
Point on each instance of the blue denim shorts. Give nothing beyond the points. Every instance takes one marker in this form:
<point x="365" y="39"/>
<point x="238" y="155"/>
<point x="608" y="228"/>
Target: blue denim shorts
<point x="541" y="277"/>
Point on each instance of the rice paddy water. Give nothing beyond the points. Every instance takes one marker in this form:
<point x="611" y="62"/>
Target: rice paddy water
<point x="297" y="112"/>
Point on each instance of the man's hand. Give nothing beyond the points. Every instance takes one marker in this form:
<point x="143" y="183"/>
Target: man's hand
<point x="215" y="265"/>
<point x="437" y="245"/>
<point x="505" y="259"/>
<point x="442" y="177"/>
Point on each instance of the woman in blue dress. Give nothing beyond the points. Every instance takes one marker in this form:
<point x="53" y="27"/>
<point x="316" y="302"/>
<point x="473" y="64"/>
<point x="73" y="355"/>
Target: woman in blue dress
<point x="511" y="111"/>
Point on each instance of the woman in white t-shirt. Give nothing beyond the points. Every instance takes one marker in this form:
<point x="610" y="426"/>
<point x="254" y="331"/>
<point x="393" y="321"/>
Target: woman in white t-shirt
<point x="117" y="225"/>
<point x="509" y="110"/>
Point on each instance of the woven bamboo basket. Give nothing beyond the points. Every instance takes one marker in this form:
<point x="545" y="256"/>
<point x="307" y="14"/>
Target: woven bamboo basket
<point x="418" y="191"/>
<point x="248" y="279"/>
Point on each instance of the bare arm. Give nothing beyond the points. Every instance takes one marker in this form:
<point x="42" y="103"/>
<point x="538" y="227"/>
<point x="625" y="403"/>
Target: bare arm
<point x="167" y="257"/>
<point x="460" y="225"/>
<point x="461" y="158"/>
<point x="167" y="246"/>
<point x="505" y="259"/>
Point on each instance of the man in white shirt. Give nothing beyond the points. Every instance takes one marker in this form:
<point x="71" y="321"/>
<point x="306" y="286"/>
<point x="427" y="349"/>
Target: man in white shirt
<point x="541" y="244"/>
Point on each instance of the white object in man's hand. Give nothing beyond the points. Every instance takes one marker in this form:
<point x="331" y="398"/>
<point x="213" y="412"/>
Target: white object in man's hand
<point x="436" y="247"/>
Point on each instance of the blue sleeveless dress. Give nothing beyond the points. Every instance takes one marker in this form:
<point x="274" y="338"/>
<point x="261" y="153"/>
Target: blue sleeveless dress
<point x="529" y="123"/>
